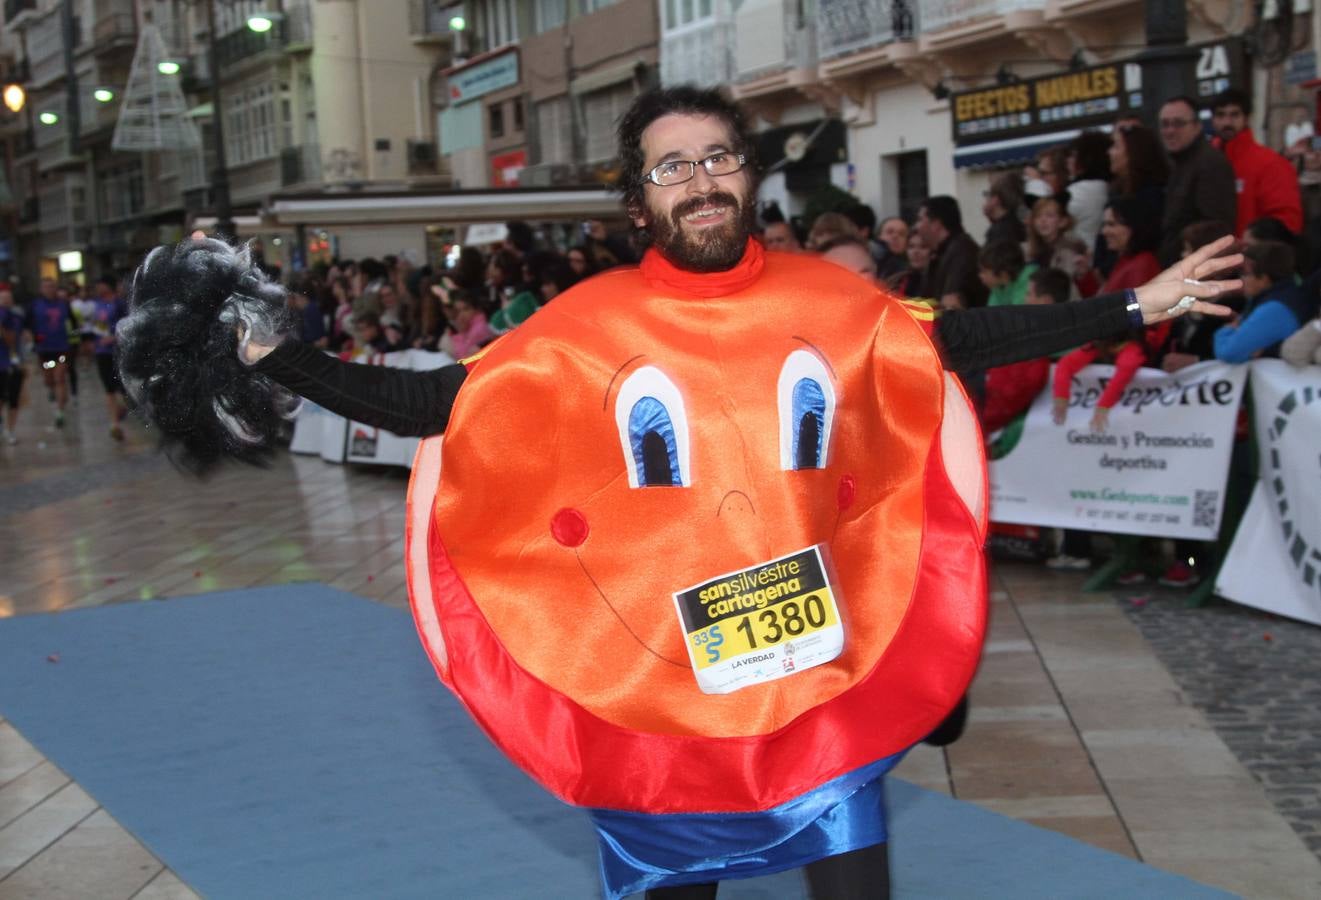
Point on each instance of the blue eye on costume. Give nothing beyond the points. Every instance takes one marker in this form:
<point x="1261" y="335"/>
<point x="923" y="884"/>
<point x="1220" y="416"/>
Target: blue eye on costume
<point x="806" y="396"/>
<point x="809" y="421"/>
<point x="654" y="445"/>
<point x="652" y="420"/>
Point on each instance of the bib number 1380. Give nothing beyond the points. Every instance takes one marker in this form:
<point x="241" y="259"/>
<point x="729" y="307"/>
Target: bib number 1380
<point x="791" y="619"/>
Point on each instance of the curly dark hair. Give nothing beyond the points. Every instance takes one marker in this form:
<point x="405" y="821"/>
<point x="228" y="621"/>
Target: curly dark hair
<point x="684" y="100"/>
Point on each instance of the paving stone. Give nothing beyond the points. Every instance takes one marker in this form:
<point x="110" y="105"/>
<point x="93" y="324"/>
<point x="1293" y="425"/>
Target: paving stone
<point x="1262" y="697"/>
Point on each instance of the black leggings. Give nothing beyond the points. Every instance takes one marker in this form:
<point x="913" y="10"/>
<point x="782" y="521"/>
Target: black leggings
<point x="857" y="875"/>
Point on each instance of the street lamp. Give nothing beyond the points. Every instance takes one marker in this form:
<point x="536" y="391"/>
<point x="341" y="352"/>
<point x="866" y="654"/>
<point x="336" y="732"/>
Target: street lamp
<point x="15" y="97"/>
<point x="48" y="118"/>
<point x="261" y="22"/>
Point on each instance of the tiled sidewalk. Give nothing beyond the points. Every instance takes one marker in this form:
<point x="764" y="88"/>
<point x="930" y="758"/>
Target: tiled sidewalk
<point x="1076" y="725"/>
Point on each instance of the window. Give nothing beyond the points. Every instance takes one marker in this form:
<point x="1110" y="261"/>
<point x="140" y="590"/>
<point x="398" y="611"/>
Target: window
<point x="602" y="111"/>
<point x="121" y="191"/>
<point x="550" y="14"/>
<point x="496" y="119"/>
<point x="518" y="114"/>
<point x="554" y="131"/>
<point x="498" y="20"/>
<point x="591" y="6"/>
<point x="250" y="124"/>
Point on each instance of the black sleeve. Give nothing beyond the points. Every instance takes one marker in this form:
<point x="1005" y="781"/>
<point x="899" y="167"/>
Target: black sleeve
<point x="977" y="339"/>
<point x="408" y="403"/>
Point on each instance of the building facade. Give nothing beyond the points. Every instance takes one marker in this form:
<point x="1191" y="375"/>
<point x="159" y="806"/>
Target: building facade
<point x="857" y="94"/>
<point x="355" y="128"/>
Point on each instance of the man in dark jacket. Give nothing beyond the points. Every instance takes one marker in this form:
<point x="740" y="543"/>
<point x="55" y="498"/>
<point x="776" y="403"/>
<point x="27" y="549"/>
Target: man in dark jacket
<point x="1201" y="185"/>
<point x="952" y="274"/>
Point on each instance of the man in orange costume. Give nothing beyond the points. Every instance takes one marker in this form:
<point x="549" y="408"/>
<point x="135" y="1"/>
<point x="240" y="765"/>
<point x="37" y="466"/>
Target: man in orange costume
<point x="703" y="552"/>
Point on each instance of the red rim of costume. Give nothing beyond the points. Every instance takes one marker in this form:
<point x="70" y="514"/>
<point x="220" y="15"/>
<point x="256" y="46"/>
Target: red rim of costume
<point x="588" y="761"/>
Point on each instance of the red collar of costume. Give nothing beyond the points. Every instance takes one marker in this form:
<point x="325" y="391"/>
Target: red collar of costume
<point x="661" y="273"/>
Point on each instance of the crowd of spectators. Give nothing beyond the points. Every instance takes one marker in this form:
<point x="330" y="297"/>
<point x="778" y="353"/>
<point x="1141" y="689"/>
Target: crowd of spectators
<point x="384" y="305"/>
<point x="1104" y="213"/>
<point x="1108" y="212"/>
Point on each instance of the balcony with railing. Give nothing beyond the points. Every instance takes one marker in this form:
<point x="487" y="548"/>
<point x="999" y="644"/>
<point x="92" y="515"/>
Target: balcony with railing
<point x="952" y="27"/>
<point x="857" y="37"/>
<point x="941" y="14"/>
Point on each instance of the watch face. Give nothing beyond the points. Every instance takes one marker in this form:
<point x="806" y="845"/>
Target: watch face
<point x="709" y="524"/>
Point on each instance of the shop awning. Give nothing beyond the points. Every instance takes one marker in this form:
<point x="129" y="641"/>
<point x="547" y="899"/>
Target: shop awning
<point x="445" y="208"/>
<point x="1013" y="151"/>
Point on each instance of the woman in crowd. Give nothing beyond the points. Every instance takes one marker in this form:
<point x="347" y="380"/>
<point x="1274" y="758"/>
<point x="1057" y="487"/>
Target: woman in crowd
<point x="1132" y="237"/>
<point x="1139" y="168"/>
<point x="1088" y="162"/>
<point x="913" y="281"/>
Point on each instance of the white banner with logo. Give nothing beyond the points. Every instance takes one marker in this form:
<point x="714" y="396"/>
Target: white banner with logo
<point x="317" y="430"/>
<point x="1158" y="468"/>
<point x="1275" y="561"/>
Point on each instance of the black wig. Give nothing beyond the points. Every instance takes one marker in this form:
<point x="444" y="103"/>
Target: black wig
<point x="190" y="308"/>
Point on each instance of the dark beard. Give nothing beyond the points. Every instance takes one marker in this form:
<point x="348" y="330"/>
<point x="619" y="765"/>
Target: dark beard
<point x="719" y="250"/>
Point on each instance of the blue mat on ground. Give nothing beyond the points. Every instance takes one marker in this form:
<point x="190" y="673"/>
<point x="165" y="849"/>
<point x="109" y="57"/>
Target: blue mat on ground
<point x="293" y="741"/>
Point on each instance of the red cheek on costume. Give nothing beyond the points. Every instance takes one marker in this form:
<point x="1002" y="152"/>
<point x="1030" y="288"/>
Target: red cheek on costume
<point x="569" y="527"/>
<point x="848" y="489"/>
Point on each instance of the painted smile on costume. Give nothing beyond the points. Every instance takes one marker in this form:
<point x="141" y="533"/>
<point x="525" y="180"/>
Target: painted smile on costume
<point x="571" y="528"/>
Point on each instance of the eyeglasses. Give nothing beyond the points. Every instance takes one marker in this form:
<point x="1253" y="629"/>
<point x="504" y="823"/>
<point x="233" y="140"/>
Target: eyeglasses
<point x="677" y="171"/>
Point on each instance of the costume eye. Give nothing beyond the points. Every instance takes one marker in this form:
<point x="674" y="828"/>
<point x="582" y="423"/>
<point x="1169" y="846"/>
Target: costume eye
<point x="807" y="412"/>
<point x="653" y="429"/>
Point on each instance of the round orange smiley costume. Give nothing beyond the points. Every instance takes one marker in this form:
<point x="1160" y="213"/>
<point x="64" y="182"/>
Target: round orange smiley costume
<point x="657" y="437"/>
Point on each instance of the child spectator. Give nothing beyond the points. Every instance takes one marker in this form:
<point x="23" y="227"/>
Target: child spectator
<point x="1276" y="308"/>
<point x="471" y="330"/>
<point x="368" y="336"/>
<point x="1011" y="389"/>
<point x="1004" y="271"/>
<point x="1191" y="335"/>
<point x="1051" y="244"/>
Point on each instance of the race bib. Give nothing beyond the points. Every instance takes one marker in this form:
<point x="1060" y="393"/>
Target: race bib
<point x="761" y="623"/>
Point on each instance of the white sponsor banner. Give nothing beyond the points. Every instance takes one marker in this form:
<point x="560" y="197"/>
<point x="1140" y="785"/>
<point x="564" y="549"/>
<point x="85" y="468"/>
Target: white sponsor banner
<point x="1158" y="469"/>
<point x="1275" y="560"/>
<point x="336" y="439"/>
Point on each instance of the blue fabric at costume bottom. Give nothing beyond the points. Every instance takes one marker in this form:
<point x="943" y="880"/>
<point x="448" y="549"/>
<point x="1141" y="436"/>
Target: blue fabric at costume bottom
<point x="640" y="851"/>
